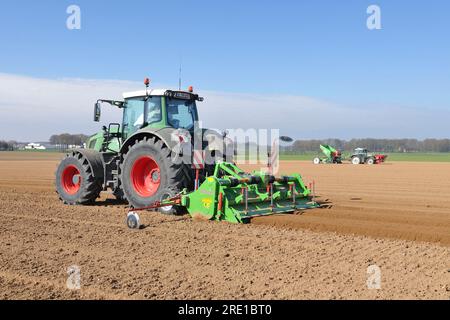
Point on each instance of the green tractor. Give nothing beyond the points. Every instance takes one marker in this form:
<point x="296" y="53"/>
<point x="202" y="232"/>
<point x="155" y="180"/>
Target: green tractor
<point x="143" y="159"/>
<point x="331" y="155"/>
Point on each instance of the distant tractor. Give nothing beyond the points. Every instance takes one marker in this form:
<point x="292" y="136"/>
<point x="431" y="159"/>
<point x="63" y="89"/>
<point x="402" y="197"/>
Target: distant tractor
<point x="331" y="155"/>
<point x="362" y="156"/>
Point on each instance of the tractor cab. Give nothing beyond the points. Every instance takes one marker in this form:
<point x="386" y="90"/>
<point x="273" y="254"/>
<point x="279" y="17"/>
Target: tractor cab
<point x="158" y="109"/>
<point x="146" y="109"/>
<point x="361" y="151"/>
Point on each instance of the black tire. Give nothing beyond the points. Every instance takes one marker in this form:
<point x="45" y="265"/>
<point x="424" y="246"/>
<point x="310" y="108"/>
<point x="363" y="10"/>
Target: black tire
<point x="86" y="191"/>
<point x="118" y="194"/>
<point x="172" y="176"/>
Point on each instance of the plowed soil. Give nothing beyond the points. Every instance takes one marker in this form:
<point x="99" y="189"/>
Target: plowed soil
<point x="408" y="201"/>
<point x="395" y="216"/>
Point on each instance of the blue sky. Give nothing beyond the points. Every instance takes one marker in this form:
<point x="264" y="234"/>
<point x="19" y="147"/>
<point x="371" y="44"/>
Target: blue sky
<point x="318" y="49"/>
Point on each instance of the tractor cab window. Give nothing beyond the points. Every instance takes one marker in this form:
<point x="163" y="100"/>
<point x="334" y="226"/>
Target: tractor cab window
<point x="133" y="115"/>
<point x="181" y="114"/>
<point x="360" y="151"/>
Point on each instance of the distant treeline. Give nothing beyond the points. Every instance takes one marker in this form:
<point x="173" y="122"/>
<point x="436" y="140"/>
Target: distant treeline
<point x="381" y="145"/>
<point x="8" y="145"/>
<point x="68" y="139"/>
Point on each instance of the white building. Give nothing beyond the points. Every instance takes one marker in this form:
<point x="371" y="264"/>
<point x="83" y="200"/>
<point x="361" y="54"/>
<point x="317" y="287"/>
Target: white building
<point x="34" y="146"/>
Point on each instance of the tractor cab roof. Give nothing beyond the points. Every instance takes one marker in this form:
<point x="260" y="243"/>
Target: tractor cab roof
<point x="361" y="151"/>
<point x="164" y="93"/>
<point x="143" y="93"/>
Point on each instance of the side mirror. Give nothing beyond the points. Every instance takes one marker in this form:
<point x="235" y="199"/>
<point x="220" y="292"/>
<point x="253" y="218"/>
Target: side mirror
<point x="97" y="111"/>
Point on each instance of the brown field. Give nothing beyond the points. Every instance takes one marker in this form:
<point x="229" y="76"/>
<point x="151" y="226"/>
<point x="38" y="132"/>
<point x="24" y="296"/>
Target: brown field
<point x="395" y="216"/>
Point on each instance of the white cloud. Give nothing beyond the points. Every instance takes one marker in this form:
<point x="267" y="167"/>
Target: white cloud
<point x="309" y="118"/>
<point x="31" y="109"/>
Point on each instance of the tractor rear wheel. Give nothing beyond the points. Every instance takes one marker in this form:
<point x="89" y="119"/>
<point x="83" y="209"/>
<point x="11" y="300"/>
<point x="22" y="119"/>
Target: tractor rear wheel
<point x="75" y="182"/>
<point x="356" y="160"/>
<point x="316" y="161"/>
<point x="147" y="172"/>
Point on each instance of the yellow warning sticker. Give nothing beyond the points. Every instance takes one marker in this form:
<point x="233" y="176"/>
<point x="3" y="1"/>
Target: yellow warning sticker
<point x="207" y="202"/>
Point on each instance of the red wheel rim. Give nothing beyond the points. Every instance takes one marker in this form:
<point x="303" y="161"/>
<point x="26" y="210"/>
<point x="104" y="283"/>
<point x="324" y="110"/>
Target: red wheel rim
<point x="71" y="179"/>
<point x="145" y="176"/>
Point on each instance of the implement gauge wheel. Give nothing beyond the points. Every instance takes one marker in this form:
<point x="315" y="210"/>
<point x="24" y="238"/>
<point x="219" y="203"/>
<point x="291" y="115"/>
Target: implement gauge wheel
<point x="133" y="220"/>
<point x="75" y="182"/>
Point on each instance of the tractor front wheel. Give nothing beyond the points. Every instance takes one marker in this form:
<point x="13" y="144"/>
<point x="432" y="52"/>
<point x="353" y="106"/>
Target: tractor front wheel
<point x="316" y="161"/>
<point x="370" y="161"/>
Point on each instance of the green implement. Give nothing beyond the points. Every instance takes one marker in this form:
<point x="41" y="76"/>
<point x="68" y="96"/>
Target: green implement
<point x="331" y="155"/>
<point x="232" y="195"/>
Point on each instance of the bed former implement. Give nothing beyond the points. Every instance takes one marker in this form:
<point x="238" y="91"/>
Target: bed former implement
<point x="232" y="195"/>
<point x="332" y="155"/>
